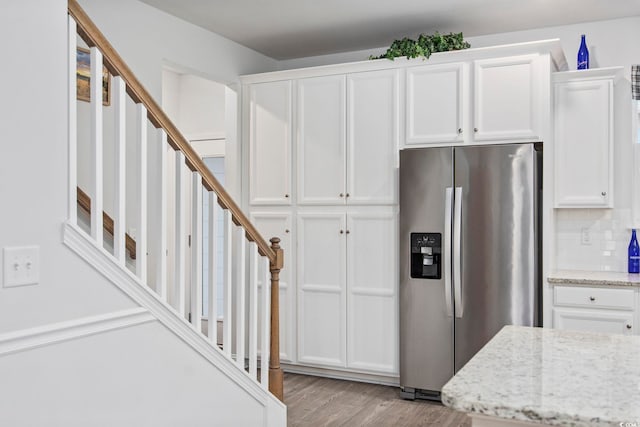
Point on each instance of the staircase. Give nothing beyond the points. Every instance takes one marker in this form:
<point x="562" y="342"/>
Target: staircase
<point x="168" y="280"/>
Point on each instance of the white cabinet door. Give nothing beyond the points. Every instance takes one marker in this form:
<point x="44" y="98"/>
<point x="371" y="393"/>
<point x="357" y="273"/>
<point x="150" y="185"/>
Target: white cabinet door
<point x="373" y="137"/>
<point x="321" y="140"/>
<point x="608" y="321"/>
<point x="321" y="276"/>
<point x="435" y="98"/>
<point x="270" y="143"/>
<point x="372" y="303"/>
<point x="507" y="99"/>
<point x="584" y="144"/>
<point x="278" y="224"/>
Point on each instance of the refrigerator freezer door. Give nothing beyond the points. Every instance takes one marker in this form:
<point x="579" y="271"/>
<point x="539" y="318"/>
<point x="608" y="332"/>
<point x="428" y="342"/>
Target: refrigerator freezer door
<point x="426" y="319"/>
<point x="498" y="243"/>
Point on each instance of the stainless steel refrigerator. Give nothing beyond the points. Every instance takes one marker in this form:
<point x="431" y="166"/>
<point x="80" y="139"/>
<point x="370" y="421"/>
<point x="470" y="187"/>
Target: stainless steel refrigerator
<point x="469" y="261"/>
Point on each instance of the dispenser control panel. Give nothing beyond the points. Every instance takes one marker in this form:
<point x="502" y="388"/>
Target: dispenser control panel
<point x="426" y="255"/>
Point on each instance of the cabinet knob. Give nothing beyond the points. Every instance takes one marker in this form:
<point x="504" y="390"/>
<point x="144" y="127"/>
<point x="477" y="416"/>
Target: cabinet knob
<point x="592" y="298"/>
<point x="341" y="231"/>
<point x="604" y="193"/>
<point x="341" y="195"/>
<point x="628" y="326"/>
<point x="346" y="195"/>
<point x="348" y="232"/>
<point x="286" y="195"/>
<point x="459" y="130"/>
<point x="475" y="130"/>
<point x="286" y="231"/>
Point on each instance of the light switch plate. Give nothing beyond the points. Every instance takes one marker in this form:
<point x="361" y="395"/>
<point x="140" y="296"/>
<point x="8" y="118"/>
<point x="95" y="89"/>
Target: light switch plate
<point x="21" y="266"/>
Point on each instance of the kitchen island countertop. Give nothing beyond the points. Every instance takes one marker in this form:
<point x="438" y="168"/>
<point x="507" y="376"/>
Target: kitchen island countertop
<point x="550" y="377"/>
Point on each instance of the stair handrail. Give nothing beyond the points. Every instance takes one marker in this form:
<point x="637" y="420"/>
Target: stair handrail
<point x="114" y="63"/>
<point x="117" y="67"/>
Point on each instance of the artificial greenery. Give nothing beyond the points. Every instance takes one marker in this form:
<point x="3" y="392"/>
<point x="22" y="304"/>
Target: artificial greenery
<point x="424" y="46"/>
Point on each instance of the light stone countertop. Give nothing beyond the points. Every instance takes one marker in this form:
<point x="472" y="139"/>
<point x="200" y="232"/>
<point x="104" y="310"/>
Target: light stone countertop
<point x="596" y="278"/>
<point x="550" y="376"/>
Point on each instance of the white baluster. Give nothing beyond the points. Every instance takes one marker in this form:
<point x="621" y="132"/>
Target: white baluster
<point x="161" y="212"/>
<point x="241" y="295"/>
<point x="96" y="185"/>
<point x="196" y="252"/>
<point x="265" y="339"/>
<point x="228" y="283"/>
<point x="141" y="223"/>
<point x="120" y="131"/>
<point x="180" y="240"/>
<point x="253" y="310"/>
<point x="212" y="313"/>
<point x="73" y="121"/>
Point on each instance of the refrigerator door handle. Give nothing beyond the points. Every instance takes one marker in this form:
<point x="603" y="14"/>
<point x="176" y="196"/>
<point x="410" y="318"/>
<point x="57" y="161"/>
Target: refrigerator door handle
<point x="446" y="250"/>
<point x="457" y="262"/>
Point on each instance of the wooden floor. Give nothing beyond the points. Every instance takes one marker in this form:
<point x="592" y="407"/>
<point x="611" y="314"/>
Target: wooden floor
<point x="315" y="401"/>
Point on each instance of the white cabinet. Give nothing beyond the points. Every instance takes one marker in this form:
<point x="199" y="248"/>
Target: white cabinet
<point x="594" y="309"/>
<point x="372" y="123"/>
<point x="505" y="105"/>
<point x="278" y="224"/>
<point x="348" y="155"/>
<point x="270" y="143"/>
<point x="507" y="98"/>
<point x="435" y="103"/>
<point x="583" y="138"/>
<point x="321" y="125"/>
<point x="347" y="285"/>
<point x="607" y="321"/>
<point x="321" y="275"/>
<point x="372" y="314"/>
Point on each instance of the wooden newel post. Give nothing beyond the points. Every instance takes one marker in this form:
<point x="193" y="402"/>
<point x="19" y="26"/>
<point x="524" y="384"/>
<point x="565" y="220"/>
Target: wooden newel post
<point x="276" y="379"/>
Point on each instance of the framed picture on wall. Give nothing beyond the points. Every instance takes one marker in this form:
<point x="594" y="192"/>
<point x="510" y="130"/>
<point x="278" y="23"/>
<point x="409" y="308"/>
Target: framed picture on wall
<point x="83" y="78"/>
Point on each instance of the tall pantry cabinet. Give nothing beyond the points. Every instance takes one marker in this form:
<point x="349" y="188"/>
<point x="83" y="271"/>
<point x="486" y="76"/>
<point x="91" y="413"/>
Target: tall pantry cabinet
<point x="339" y="212"/>
<point x="320" y="164"/>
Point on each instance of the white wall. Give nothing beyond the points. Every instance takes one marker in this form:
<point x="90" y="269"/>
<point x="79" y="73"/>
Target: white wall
<point x="194" y="104"/>
<point x="33" y="170"/>
<point x="140" y="376"/>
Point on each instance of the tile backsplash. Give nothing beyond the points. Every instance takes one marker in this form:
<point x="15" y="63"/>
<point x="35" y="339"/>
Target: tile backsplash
<point x="607" y="238"/>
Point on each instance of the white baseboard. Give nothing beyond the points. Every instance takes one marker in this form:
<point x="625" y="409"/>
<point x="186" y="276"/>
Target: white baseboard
<point x="341" y="375"/>
<point x="54" y="333"/>
<point x="125" y="280"/>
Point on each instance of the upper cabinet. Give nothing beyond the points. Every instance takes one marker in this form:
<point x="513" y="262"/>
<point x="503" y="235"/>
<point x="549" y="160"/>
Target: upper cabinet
<point x="270" y="143"/>
<point x="506" y="99"/>
<point x="584" y="138"/>
<point x="504" y="104"/>
<point x="435" y="103"/>
<point x="348" y="155"/>
<point x="372" y="141"/>
<point x="321" y="140"/>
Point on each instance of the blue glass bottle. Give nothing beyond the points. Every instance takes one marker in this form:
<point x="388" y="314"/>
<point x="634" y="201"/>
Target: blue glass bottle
<point x="583" y="55"/>
<point x="634" y="253"/>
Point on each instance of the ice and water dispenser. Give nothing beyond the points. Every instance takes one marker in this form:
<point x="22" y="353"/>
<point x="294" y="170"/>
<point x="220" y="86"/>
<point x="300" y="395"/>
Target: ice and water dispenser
<point x="426" y="255"/>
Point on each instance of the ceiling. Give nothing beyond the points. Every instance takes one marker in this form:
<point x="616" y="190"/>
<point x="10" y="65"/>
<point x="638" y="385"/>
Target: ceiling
<point x="286" y="29"/>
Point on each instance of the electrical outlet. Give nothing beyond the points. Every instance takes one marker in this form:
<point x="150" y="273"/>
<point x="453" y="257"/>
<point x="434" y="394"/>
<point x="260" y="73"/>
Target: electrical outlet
<point x="585" y="236"/>
<point x="21" y="266"/>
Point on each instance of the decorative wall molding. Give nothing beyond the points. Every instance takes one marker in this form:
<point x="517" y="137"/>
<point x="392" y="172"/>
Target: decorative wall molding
<point x="54" y="333"/>
<point x="78" y="241"/>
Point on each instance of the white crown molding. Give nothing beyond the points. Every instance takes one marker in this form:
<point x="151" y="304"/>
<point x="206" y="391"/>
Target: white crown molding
<point x="125" y="280"/>
<point x="41" y="336"/>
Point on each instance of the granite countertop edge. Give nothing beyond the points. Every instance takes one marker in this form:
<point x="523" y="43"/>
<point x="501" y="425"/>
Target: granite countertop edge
<point x="594" y="278"/>
<point x="523" y="413"/>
